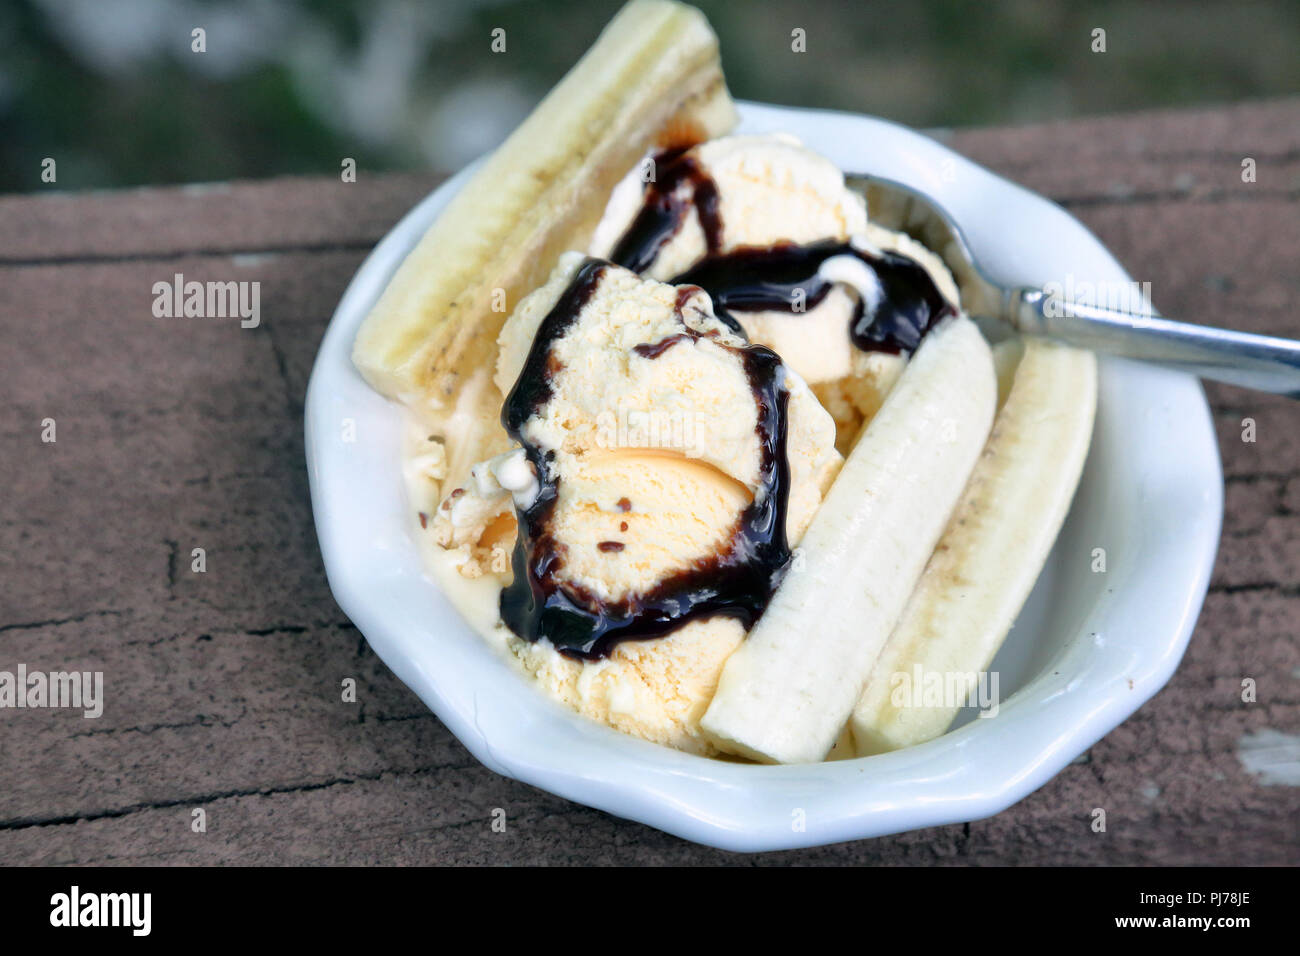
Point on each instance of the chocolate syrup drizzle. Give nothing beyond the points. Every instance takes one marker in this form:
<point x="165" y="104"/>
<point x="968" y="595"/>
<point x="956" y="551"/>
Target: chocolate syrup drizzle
<point x="762" y="278"/>
<point x="666" y="206"/>
<point x="754" y="279"/>
<point x="736" y="581"/>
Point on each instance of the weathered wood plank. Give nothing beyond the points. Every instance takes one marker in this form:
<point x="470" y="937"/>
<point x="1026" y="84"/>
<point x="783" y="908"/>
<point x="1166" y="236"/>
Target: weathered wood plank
<point x="279" y="214"/>
<point x="1149" y="157"/>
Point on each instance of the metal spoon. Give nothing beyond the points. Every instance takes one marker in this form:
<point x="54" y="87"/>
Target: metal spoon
<point x="1260" y="362"/>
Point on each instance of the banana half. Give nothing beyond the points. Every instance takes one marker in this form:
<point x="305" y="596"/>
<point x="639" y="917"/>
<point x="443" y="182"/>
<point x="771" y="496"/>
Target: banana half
<point x="988" y="559"/>
<point x="786" y="693"/>
<point x="652" y="78"/>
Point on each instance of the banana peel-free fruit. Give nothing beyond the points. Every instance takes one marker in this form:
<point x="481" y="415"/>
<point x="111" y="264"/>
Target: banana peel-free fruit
<point x="786" y="693"/>
<point x="988" y="559"/>
<point x="653" y="78"/>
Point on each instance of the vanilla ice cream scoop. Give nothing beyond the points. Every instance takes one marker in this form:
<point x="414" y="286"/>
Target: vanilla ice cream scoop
<point x="771" y="230"/>
<point x="721" y="195"/>
<point x="674" y="460"/>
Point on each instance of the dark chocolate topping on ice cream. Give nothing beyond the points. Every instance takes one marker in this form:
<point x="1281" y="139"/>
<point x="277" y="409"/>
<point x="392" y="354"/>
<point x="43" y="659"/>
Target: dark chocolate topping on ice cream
<point x="754" y="279"/>
<point x="680" y="185"/>
<point x="762" y="278"/>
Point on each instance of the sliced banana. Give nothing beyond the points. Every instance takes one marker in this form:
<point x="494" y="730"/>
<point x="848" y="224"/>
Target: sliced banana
<point x="992" y="551"/>
<point x="652" y="78"/>
<point x="786" y="693"/>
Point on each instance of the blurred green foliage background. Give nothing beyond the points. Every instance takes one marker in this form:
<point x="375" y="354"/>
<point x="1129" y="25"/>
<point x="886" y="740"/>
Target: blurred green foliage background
<point x="112" y="90"/>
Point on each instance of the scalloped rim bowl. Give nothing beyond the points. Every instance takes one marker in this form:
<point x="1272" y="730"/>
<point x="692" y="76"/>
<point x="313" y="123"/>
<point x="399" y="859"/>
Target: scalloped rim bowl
<point x="1088" y="649"/>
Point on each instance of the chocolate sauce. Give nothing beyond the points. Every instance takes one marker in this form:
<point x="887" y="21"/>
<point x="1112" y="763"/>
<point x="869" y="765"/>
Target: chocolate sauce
<point x="753" y="279"/>
<point x="532" y="389"/>
<point x="652" y="350"/>
<point x="680" y="185"/>
<point x="736" y="581"/>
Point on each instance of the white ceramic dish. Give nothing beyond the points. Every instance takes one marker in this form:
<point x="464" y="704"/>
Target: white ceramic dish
<point x="1088" y="649"/>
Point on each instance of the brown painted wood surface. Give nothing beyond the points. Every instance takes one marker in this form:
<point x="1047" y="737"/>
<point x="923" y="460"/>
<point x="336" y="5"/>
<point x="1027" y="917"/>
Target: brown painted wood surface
<point x="222" y="688"/>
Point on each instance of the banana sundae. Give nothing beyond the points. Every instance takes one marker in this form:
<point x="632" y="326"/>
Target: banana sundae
<point x="706" y="451"/>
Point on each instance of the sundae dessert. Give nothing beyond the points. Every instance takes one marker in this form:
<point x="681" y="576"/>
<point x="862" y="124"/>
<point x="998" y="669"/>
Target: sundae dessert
<point x="706" y="451"/>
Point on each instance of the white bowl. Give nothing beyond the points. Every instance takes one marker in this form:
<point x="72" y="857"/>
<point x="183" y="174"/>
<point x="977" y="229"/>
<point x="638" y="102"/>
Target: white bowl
<point x="1088" y="649"/>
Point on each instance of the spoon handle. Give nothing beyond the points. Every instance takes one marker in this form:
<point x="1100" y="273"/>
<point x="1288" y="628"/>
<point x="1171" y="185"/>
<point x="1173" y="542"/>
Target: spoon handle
<point x="1239" y="358"/>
